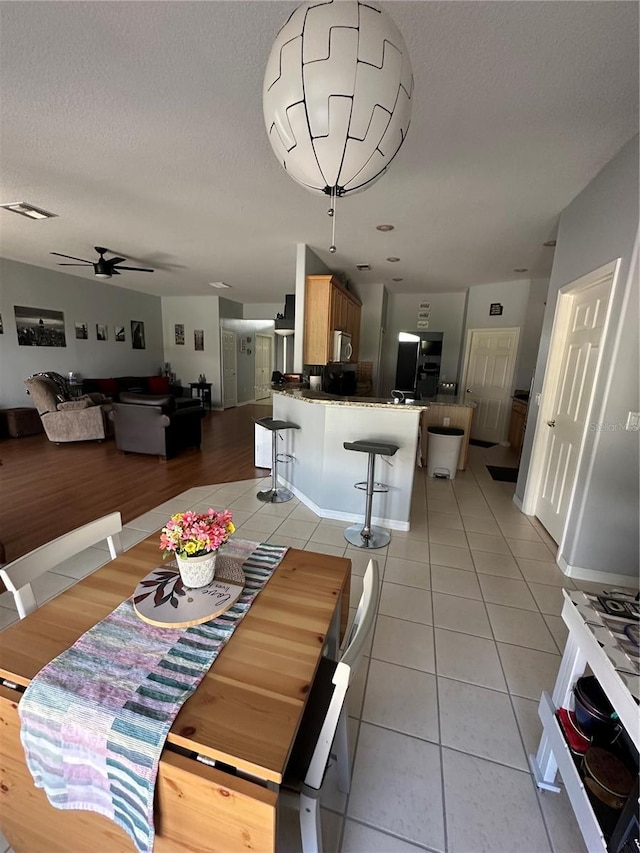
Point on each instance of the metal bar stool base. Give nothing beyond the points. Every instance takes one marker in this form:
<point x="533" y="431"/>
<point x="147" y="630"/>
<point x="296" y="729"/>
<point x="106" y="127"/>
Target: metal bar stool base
<point x="377" y="539"/>
<point x="275" y="496"/>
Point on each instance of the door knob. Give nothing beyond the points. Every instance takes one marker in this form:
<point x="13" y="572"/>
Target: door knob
<point x="469" y="391"/>
<point x="551" y="423"/>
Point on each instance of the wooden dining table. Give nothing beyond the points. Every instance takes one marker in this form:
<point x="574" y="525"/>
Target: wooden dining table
<point x="224" y="758"/>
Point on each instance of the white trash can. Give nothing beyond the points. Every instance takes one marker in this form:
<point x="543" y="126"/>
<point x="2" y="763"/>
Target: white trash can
<point x="443" y="451"/>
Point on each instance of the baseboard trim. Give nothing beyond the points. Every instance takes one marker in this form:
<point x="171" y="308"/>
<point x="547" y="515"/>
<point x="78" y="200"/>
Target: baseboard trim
<point x="518" y="503"/>
<point x="594" y="575"/>
<point x="353" y="518"/>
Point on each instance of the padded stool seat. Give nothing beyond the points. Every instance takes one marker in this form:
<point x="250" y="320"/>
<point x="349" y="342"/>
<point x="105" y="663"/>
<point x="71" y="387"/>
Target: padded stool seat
<point x="368" y="536"/>
<point x="276" y="494"/>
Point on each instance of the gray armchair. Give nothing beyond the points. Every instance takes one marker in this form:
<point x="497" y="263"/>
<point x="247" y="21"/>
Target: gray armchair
<point x="81" y="419"/>
<point x="146" y="423"/>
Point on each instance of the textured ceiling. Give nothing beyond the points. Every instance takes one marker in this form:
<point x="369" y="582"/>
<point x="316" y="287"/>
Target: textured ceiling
<point x="140" y="125"/>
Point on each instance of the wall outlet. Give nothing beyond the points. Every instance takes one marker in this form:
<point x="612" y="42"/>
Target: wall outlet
<point x="446" y="421"/>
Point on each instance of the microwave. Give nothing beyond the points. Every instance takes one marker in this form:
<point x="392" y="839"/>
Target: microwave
<point x="342" y="349"/>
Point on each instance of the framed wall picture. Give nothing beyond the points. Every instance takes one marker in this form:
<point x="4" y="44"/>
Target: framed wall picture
<point x="39" y="327"/>
<point x="424" y="315"/>
<point x="119" y="333"/>
<point x="179" y="334"/>
<point x="424" y="306"/>
<point x="1" y="326"/>
<point x="243" y="344"/>
<point x="82" y="332"/>
<point x="137" y="334"/>
<point x="495" y="309"/>
<point x="198" y="339"/>
<point x="422" y="324"/>
<point x="101" y="332"/>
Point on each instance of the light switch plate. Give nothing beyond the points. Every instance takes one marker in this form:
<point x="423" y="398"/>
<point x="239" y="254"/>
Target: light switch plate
<point x="633" y="422"/>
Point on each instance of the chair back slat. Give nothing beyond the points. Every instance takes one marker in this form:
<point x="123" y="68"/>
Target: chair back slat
<point x="18" y="575"/>
<point x="345" y="670"/>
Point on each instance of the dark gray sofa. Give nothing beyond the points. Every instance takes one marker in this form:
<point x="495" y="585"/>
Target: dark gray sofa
<point x="148" y="423"/>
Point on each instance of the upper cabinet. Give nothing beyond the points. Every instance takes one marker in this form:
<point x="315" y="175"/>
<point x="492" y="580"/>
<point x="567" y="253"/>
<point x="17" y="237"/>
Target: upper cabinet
<point x="328" y="308"/>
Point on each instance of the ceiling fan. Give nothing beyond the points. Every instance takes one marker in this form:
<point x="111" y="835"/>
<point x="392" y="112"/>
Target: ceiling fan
<point x="103" y="267"/>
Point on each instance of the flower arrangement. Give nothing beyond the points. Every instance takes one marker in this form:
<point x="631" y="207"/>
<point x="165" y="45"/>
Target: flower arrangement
<point x="191" y="534"/>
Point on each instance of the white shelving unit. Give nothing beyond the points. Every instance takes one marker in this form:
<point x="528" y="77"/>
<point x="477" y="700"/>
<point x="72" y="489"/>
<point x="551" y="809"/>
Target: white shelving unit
<point x="582" y="650"/>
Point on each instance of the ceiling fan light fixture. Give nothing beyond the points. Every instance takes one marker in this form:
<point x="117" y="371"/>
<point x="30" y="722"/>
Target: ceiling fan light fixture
<point x="102" y="275"/>
<point x="23" y="208"/>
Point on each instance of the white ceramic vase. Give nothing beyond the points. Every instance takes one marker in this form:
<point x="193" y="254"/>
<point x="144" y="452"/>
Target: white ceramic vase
<point x="197" y="571"/>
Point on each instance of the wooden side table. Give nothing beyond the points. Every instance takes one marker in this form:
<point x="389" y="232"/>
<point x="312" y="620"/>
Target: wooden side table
<point x="203" y="390"/>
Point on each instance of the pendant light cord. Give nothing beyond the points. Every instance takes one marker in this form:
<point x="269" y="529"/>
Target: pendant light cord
<point x="332" y="213"/>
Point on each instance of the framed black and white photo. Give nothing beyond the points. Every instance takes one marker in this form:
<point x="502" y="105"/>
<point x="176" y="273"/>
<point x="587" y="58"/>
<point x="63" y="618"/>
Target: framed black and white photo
<point x="101" y="332"/>
<point x="198" y="339"/>
<point x="179" y="332"/>
<point x="137" y="334"/>
<point x="1" y="326"/>
<point x="39" y="327"/>
<point x="119" y="333"/>
<point x="82" y="332"/>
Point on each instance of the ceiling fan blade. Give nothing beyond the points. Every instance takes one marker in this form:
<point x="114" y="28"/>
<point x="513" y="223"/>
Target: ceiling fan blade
<point x="114" y="272"/>
<point x="60" y="255"/>
<point x="75" y="265"/>
<point x="137" y="269"/>
<point x="114" y="261"/>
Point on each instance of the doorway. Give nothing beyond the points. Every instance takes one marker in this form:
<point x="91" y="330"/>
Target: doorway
<point x="229" y="369"/>
<point x="264" y="367"/>
<point x="488" y="375"/>
<point x="579" y="327"/>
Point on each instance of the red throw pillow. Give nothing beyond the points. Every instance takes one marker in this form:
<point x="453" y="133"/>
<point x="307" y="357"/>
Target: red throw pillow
<point x="108" y="387"/>
<point x="158" y="385"/>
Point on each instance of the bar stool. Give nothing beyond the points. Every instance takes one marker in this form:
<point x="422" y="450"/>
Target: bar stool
<point x="368" y="536"/>
<point x="276" y="494"/>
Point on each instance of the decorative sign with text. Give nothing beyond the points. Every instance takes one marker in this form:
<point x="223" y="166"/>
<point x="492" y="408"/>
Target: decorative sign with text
<point x="495" y="309"/>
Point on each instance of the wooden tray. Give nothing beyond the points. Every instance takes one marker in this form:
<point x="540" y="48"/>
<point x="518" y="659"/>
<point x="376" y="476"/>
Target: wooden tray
<point x="162" y="600"/>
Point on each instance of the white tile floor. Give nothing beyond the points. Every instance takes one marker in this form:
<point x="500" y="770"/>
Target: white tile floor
<point x="443" y="711"/>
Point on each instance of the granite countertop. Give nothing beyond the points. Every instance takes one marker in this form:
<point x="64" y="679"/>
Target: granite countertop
<point x="451" y="400"/>
<point x="335" y="400"/>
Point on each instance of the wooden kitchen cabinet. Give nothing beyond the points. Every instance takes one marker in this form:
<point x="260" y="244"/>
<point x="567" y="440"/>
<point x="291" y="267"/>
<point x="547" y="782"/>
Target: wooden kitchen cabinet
<point x="328" y="308"/>
<point x="517" y="424"/>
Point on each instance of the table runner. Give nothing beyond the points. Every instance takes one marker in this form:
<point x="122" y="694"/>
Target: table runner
<point x="94" y="720"/>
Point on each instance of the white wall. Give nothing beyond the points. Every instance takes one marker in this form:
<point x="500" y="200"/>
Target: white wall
<point x="81" y="300"/>
<point x="600" y="225"/>
<point x="447" y="311"/>
<point x="262" y="310"/>
<point x="194" y="312"/>
<point x="530" y="333"/>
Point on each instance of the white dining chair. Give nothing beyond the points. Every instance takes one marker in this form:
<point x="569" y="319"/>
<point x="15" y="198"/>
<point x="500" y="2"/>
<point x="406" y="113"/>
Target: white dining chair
<point x="18" y="575"/>
<point x="324" y="723"/>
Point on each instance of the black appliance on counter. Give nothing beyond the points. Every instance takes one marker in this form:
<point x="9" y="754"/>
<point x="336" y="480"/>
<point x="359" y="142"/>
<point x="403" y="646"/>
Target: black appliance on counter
<point x="339" y="379"/>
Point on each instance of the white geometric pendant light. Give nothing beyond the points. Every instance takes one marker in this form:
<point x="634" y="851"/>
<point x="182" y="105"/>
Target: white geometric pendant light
<point x="337" y="95"/>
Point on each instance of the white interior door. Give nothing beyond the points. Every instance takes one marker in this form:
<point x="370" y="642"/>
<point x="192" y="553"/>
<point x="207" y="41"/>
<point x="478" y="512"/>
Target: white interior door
<point x="264" y="362"/>
<point x="577" y="351"/>
<point x="490" y="366"/>
<point x="229" y="369"/>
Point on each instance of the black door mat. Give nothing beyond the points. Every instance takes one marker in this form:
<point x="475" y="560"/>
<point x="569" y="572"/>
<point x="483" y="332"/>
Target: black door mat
<point x="478" y="443"/>
<point x="504" y="475"/>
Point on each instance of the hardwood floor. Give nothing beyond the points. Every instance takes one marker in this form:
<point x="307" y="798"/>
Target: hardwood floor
<point x="48" y="489"/>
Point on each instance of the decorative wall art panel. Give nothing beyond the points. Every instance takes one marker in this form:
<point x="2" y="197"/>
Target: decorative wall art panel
<point x="137" y="335"/>
<point x="39" y="327"/>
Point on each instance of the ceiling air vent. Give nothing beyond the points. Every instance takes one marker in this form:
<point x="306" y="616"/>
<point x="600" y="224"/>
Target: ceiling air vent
<point x="29" y="210"/>
<point x="363" y="267"/>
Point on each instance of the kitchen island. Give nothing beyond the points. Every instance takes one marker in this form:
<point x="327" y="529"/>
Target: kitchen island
<point x="322" y="473"/>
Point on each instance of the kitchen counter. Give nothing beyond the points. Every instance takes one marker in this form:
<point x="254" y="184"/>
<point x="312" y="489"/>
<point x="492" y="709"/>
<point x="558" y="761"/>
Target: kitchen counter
<point x="322" y="473"/>
<point x="336" y="400"/>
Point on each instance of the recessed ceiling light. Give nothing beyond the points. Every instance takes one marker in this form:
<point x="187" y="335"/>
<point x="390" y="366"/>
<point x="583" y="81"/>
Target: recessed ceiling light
<point x="550" y="243"/>
<point x="397" y="279"/>
<point x="393" y="260"/>
<point x="521" y="269"/>
<point x="385" y="227"/>
<point x="363" y="267"/>
<point x="25" y="209"/>
<point x="219" y="284"/>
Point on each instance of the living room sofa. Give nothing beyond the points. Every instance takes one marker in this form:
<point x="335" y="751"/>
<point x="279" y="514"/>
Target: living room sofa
<point x="114" y="386"/>
<point x="148" y="423"/>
